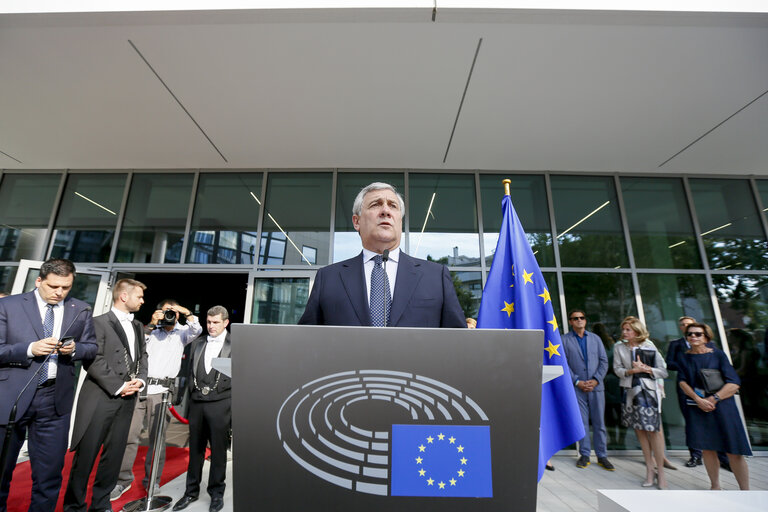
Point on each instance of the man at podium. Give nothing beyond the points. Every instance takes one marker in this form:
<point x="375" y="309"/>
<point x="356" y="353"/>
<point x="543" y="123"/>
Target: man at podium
<point x="383" y="286"/>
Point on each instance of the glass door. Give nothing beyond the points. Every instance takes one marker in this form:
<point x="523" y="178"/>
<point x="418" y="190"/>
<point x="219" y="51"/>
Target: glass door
<point x="91" y="285"/>
<point x="277" y="297"/>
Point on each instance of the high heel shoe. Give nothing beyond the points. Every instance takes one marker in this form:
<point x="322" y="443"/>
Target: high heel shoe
<point x="652" y="482"/>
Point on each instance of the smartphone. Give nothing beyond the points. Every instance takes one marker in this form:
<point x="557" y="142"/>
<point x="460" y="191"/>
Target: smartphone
<point x="66" y="341"/>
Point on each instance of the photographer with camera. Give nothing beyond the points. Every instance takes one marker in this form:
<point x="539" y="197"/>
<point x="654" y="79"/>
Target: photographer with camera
<point x="165" y="347"/>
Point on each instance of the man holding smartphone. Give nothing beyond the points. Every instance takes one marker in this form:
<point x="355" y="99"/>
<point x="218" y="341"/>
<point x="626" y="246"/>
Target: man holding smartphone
<point x="107" y="398"/>
<point x="32" y="328"/>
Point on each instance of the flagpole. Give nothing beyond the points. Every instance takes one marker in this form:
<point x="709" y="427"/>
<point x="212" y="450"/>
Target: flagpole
<point x="506" y="183"/>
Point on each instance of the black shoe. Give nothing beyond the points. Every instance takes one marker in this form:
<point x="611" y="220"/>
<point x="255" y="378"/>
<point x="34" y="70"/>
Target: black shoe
<point x="693" y="462"/>
<point x="726" y="466"/>
<point x="549" y="467"/>
<point x="216" y="504"/>
<point x="605" y="463"/>
<point x="583" y="461"/>
<point x="184" y="502"/>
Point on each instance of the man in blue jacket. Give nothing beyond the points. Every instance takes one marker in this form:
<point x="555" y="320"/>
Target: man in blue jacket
<point x="32" y="326"/>
<point x="588" y="364"/>
<point x="383" y="286"/>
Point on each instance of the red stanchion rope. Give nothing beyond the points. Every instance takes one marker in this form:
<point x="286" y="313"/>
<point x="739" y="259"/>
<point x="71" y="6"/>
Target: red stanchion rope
<point x="178" y="416"/>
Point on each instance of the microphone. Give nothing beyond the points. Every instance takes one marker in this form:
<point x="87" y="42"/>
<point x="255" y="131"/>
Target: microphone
<point x="384" y="258"/>
<point x="12" y="416"/>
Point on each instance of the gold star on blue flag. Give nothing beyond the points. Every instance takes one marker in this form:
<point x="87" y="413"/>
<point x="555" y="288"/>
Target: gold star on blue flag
<point x="561" y="423"/>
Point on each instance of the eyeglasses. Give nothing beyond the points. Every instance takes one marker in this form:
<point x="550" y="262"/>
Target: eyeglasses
<point x="578" y="318"/>
<point x="695" y="334"/>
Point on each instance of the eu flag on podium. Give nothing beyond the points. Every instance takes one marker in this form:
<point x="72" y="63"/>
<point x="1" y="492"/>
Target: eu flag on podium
<point x="516" y="297"/>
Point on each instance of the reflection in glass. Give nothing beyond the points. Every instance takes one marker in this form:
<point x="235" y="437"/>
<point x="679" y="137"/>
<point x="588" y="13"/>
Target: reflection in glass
<point x="226" y="218"/>
<point x="529" y="198"/>
<point x="26" y="202"/>
<point x="87" y="217"/>
<point x="606" y="299"/>
<point x="743" y="301"/>
<point x="279" y="300"/>
<point x="346" y="241"/>
<point x="7" y="275"/>
<point x="667" y="297"/>
<point x="588" y="225"/>
<point x="155" y="218"/>
<point x="660" y="223"/>
<point x="730" y="226"/>
<point x="443" y="219"/>
<point x="469" y="290"/>
<point x="298" y="213"/>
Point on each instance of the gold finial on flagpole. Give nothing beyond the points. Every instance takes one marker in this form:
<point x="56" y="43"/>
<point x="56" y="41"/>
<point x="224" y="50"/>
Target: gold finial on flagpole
<point x="506" y="186"/>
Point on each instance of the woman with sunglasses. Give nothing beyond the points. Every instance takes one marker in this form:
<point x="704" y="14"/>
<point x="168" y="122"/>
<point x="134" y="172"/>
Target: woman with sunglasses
<point x="638" y="365"/>
<point x="715" y="424"/>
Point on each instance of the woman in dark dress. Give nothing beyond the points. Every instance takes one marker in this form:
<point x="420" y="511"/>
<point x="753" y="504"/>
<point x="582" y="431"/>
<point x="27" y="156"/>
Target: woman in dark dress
<point x="715" y="424"/>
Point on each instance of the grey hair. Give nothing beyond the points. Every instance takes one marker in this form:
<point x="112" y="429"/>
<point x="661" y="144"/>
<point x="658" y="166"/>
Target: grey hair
<point x="219" y="310"/>
<point x="357" y="206"/>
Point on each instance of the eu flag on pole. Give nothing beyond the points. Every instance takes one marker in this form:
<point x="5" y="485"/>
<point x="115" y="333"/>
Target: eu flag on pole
<point x="516" y="297"/>
<point x="444" y="461"/>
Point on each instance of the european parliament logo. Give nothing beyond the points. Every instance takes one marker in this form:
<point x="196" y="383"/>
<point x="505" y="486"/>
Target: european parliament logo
<point x="444" y="452"/>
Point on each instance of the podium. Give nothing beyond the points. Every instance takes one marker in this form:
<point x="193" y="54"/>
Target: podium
<point x="322" y="417"/>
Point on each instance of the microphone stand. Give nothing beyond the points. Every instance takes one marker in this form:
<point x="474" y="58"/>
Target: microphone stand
<point x="12" y="417"/>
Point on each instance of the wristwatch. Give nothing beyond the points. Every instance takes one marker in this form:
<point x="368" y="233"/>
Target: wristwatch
<point x="716" y="397"/>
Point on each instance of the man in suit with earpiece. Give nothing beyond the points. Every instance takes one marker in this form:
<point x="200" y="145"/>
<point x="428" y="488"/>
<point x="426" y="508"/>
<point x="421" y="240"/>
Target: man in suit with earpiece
<point x="107" y="398"/>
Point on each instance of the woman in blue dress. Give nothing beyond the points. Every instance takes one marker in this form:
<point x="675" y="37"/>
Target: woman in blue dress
<point x="715" y="424"/>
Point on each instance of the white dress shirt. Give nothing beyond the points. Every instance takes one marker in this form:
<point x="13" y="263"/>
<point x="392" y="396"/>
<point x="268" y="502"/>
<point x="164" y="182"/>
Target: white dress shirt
<point x="213" y="349"/>
<point x="165" y="349"/>
<point x="58" y="319"/>
<point x="368" y="264"/>
<point x="126" y="322"/>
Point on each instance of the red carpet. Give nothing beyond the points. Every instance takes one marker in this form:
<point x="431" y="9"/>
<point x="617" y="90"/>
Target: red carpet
<point x="176" y="460"/>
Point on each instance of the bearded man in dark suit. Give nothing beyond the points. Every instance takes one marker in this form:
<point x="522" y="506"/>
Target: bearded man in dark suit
<point x="383" y="286"/>
<point x="107" y="398"/>
<point x="32" y="326"/>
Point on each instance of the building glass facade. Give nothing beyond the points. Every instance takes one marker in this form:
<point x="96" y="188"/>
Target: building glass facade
<point x="655" y="247"/>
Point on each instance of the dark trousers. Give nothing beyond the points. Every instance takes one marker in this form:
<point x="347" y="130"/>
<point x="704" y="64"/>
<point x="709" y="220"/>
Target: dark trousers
<point x="48" y="433"/>
<point x="208" y="422"/>
<point x="108" y="427"/>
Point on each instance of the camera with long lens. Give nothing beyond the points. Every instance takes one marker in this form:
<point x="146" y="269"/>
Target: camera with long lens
<point x="169" y="318"/>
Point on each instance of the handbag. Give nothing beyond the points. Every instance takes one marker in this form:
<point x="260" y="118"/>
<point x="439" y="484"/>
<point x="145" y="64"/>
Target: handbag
<point x="711" y="380"/>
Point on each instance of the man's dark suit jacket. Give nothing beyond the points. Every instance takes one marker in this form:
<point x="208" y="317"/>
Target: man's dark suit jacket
<point x="107" y="372"/>
<point x="20" y="325"/>
<point x="424" y="296"/>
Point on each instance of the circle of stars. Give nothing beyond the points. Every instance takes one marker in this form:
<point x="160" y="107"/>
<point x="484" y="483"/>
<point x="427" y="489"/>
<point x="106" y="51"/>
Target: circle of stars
<point x="459" y="450"/>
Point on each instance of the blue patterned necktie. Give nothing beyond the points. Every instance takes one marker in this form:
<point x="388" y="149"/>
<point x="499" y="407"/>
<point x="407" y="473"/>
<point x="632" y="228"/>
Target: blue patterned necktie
<point x="47" y="333"/>
<point x="381" y="297"/>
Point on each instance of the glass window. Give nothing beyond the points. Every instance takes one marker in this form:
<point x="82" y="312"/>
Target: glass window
<point x="762" y="189"/>
<point x="346" y="241"/>
<point x="730" y="227"/>
<point x="26" y="203"/>
<point x="743" y="301"/>
<point x="443" y="219"/>
<point x="469" y="290"/>
<point x="298" y="212"/>
<point x="589" y="229"/>
<point x="279" y="300"/>
<point x="7" y="275"/>
<point x="606" y="299"/>
<point x="225" y="222"/>
<point x="87" y="217"/>
<point x="155" y="218"/>
<point x="529" y="198"/>
<point x="660" y="223"/>
<point x="667" y="297"/>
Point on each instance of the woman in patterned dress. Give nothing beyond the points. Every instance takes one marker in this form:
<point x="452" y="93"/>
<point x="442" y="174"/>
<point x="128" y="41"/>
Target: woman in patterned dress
<point x="638" y="364"/>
